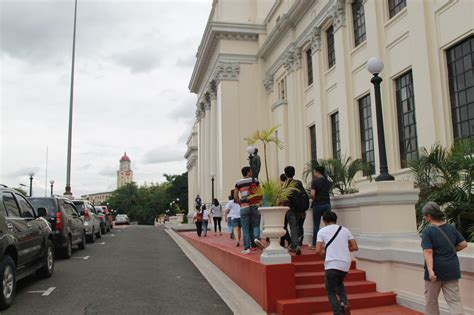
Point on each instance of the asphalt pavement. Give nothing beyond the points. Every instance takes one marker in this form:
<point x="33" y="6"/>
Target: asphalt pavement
<point x="133" y="270"/>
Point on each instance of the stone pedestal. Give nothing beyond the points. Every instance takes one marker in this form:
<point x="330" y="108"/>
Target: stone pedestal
<point x="273" y="219"/>
<point x="179" y="217"/>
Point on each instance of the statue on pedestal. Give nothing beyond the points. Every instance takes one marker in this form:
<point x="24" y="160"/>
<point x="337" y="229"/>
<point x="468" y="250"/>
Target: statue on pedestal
<point x="255" y="163"/>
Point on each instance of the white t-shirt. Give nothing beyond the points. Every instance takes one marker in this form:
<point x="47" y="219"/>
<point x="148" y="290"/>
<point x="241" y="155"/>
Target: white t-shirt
<point x="216" y="211"/>
<point x="338" y="255"/>
<point x="234" y="209"/>
<point x="205" y="215"/>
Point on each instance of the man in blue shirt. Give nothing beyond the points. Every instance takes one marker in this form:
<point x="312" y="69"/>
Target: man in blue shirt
<point x="441" y="242"/>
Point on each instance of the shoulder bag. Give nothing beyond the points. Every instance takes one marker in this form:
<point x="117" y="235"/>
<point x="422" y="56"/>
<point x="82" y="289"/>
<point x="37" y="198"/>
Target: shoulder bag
<point x="446" y="237"/>
<point x="332" y="239"/>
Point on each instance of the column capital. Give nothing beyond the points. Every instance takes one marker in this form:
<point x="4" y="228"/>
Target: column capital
<point x="212" y="90"/>
<point x="339" y="14"/>
<point x="293" y="59"/>
<point x="315" y="38"/>
<point x="226" y="71"/>
<point x="268" y="83"/>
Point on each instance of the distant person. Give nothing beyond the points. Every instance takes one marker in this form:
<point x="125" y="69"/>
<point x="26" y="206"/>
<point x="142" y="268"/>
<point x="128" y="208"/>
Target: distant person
<point x="298" y="203"/>
<point x="441" y="242"/>
<point x="285" y="239"/>
<point x="197" y="219"/>
<point x="233" y="216"/>
<point x="320" y="190"/>
<point x="198" y="201"/>
<point x="338" y="243"/>
<point x="249" y="215"/>
<point x="205" y="219"/>
<point x="216" y="213"/>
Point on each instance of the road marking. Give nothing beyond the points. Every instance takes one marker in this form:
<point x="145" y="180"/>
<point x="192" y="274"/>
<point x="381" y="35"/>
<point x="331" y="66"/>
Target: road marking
<point x="44" y="292"/>
<point x="103" y="243"/>
<point x="48" y="292"/>
<point x="85" y="258"/>
<point x="112" y="234"/>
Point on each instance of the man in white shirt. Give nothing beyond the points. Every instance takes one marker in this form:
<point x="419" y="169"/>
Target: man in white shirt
<point x="338" y="243"/>
<point x="233" y="216"/>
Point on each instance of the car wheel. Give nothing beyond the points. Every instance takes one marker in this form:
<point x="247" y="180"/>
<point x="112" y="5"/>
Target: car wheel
<point x="8" y="284"/>
<point x="48" y="262"/>
<point x="82" y="244"/>
<point x="67" y="252"/>
<point x="99" y="234"/>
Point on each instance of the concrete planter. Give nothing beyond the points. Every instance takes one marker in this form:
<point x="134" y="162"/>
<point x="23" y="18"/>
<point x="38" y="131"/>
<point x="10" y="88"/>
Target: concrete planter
<point x="273" y="219"/>
<point x="179" y="217"/>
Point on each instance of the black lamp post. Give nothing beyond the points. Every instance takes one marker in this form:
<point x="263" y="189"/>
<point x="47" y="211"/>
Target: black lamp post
<point x="212" y="182"/>
<point x="375" y="66"/>
<point x="31" y="183"/>
<point x="52" y="184"/>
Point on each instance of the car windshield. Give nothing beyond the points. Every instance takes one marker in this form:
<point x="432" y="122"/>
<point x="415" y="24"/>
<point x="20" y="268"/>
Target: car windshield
<point x="99" y="210"/>
<point x="48" y="203"/>
<point x="80" y="206"/>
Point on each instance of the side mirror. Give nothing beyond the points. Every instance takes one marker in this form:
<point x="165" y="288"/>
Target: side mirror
<point x="42" y="212"/>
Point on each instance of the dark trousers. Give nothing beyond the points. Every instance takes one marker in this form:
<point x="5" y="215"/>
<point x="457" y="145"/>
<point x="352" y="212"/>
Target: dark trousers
<point x="199" y="228"/>
<point x="217" y="223"/>
<point x="293" y="223"/>
<point x="301" y="219"/>
<point x="318" y="212"/>
<point x="285" y="237"/>
<point x="335" y="288"/>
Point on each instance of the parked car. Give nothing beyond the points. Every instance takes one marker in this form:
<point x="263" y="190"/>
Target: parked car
<point x="122" y="219"/>
<point x="105" y="222"/>
<point x="26" y="243"/>
<point x="91" y="219"/>
<point x="109" y="214"/>
<point x="66" y="223"/>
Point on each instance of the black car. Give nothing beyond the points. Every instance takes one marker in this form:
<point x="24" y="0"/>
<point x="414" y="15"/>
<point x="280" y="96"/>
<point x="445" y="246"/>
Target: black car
<point x="66" y="223"/>
<point x="26" y="243"/>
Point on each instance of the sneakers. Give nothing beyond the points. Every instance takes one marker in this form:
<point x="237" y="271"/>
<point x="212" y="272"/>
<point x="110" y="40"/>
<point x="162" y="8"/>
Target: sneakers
<point x="246" y="251"/>
<point x="298" y="251"/>
<point x="345" y="309"/>
<point x="238" y="244"/>
<point x="253" y="249"/>
<point x="258" y="243"/>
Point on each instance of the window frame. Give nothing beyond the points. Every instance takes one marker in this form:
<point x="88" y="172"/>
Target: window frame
<point x="335" y="135"/>
<point x="309" y="67"/>
<point x="358" y="38"/>
<point x="7" y="208"/>
<point x="29" y="207"/>
<point x="369" y="130"/>
<point x="330" y="47"/>
<point x="313" y="140"/>
<point x="395" y="7"/>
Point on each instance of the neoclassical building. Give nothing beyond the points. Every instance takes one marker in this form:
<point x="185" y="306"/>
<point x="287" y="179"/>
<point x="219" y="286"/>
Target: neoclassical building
<point x="301" y="64"/>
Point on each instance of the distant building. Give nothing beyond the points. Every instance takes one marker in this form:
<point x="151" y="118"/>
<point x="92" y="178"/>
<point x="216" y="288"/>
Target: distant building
<point x="97" y="198"/>
<point x="124" y="174"/>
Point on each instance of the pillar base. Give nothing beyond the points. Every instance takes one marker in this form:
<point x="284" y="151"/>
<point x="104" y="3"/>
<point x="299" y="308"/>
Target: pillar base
<point x="275" y="257"/>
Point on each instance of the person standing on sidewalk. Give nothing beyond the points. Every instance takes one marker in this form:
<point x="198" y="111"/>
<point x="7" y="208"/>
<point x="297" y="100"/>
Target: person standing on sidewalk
<point x="233" y="216"/>
<point x="441" y="242"/>
<point x="338" y="243"/>
<point x="320" y="189"/>
<point x="249" y="215"/>
<point x="216" y="213"/>
<point x="197" y="219"/>
<point x="205" y="219"/>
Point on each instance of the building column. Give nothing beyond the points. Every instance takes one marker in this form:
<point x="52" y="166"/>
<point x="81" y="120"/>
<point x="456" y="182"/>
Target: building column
<point x="207" y="152"/>
<point x="201" y="150"/>
<point x="213" y="137"/>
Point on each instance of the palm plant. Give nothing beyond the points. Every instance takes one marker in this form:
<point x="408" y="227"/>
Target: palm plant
<point x="273" y="193"/>
<point x="266" y="136"/>
<point x="342" y="172"/>
<point x="446" y="176"/>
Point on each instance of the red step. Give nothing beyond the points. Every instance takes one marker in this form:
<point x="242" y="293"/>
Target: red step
<point x="385" y="310"/>
<point x="309" y="305"/>
<point x="313" y="266"/>
<point x="305" y="257"/>
<point x="308" y="290"/>
<point x="319" y="277"/>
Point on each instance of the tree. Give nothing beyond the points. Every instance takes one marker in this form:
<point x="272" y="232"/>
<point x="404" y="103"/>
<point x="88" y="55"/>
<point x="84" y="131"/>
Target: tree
<point x="266" y="136"/>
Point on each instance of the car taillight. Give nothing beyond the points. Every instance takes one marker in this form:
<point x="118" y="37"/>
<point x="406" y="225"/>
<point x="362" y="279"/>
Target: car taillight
<point x="59" y="220"/>
<point x="87" y="216"/>
<point x="101" y="218"/>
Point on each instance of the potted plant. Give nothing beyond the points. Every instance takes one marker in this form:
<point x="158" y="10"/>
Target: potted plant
<point x="273" y="209"/>
<point x="179" y="214"/>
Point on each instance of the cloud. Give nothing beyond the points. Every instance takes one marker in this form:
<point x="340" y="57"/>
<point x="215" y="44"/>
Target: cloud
<point x="186" y="62"/>
<point x="138" y="60"/>
<point x="108" y="171"/>
<point x="186" y="110"/>
<point x="24" y="171"/>
<point x="164" y="154"/>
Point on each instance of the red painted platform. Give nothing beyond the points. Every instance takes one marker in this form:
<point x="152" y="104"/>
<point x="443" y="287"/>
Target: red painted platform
<point x="295" y="288"/>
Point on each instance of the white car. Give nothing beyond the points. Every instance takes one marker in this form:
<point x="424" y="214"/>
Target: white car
<point x="122" y="219"/>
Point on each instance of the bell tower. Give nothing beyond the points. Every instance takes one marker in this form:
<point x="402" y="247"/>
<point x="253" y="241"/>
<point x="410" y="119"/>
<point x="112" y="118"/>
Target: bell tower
<point x="125" y="173"/>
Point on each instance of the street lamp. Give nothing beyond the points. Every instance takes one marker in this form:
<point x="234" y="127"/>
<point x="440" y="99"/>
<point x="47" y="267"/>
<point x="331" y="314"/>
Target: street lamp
<point x="212" y="181"/>
<point x="31" y="182"/>
<point x="375" y="66"/>
<point x="52" y="184"/>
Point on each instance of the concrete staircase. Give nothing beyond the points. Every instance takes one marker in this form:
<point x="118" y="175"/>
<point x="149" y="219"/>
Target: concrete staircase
<point x="311" y="292"/>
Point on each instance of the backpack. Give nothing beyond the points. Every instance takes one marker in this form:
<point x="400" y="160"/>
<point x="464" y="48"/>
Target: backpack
<point x="300" y="198"/>
<point x="253" y="189"/>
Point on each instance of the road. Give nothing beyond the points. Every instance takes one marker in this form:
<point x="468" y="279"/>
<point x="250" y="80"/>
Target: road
<point x="133" y="270"/>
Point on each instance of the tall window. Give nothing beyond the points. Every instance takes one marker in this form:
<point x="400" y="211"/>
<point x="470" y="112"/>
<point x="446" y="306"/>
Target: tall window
<point x="336" y="140"/>
<point x="358" y="20"/>
<point x="282" y="89"/>
<point x="330" y="43"/>
<point x="406" y="119"/>
<point x="461" y="87"/>
<point x="395" y="6"/>
<point x="312" y="138"/>
<point x="366" y="133"/>
<point x="309" y="64"/>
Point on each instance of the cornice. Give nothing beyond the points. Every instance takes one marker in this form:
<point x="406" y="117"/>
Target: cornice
<point x="286" y="22"/>
<point x="190" y="150"/>
<point x="274" y="8"/>
<point x="214" y="32"/>
<point x="193" y="133"/>
<point x="278" y="104"/>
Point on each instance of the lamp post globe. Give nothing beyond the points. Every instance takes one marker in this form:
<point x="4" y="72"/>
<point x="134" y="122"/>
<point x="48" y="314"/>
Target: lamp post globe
<point x="375" y="66"/>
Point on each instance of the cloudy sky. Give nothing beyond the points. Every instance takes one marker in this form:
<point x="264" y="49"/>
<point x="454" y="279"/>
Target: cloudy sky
<point x="134" y="60"/>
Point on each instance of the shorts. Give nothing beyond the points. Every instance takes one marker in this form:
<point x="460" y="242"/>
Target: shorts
<point x="236" y="223"/>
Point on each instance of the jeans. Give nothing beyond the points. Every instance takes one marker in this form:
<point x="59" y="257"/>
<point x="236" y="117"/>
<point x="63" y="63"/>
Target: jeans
<point x="293" y="220"/>
<point x="217" y="224"/>
<point x="250" y="220"/>
<point x="335" y="288"/>
<point x="199" y="228"/>
<point x="318" y="212"/>
<point x="205" y="223"/>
